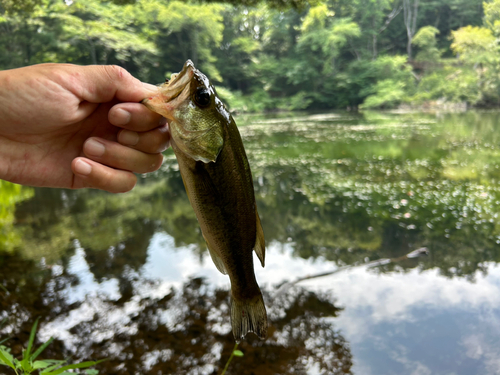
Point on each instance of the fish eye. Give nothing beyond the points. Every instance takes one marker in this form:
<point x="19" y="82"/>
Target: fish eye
<point x="202" y="97"/>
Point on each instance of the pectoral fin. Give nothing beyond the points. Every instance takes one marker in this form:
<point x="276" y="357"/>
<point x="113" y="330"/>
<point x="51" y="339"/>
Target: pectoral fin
<point x="260" y="243"/>
<point x="216" y="259"/>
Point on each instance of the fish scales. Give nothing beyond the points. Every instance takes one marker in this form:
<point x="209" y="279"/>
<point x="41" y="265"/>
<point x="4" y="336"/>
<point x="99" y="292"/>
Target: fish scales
<point x="227" y="220"/>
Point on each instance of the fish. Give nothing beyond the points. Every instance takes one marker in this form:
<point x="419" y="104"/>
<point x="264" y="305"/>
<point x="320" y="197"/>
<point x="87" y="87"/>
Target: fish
<point x="218" y="182"/>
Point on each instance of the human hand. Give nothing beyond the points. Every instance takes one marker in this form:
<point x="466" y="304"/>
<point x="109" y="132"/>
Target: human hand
<point x="72" y="126"/>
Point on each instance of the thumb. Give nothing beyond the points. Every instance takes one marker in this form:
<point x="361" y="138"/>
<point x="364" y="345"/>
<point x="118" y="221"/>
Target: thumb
<point x="103" y="83"/>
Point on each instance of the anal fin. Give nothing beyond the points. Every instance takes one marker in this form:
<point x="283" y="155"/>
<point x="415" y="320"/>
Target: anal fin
<point x="260" y="242"/>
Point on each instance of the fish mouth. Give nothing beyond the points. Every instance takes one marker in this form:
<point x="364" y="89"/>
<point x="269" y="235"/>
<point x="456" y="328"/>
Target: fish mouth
<point x="172" y="93"/>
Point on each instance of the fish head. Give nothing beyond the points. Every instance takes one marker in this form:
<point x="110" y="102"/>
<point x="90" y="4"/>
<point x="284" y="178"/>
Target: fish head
<point x="197" y="117"/>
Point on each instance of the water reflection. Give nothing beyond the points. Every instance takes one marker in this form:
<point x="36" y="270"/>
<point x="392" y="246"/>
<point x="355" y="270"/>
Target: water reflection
<point x="164" y="329"/>
<point x="128" y="277"/>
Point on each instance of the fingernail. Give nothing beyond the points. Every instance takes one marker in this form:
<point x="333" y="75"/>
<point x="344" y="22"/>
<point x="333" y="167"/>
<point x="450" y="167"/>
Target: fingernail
<point x="82" y="167"/>
<point x="121" y="117"/>
<point x="94" y="148"/>
<point x="129" y="138"/>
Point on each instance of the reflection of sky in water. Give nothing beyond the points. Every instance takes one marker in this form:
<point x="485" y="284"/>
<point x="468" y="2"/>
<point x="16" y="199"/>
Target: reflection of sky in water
<point x="419" y="323"/>
<point x="398" y="323"/>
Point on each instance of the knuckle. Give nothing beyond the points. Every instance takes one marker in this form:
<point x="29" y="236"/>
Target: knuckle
<point x="115" y="72"/>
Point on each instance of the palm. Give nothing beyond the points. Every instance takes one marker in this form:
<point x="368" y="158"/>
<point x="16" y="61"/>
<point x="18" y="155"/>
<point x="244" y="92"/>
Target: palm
<point x="51" y="154"/>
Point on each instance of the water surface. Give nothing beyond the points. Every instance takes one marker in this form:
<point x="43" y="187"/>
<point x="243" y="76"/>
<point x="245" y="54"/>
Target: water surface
<point x="128" y="277"/>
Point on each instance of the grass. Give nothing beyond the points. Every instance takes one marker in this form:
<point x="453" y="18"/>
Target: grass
<point x="29" y="365"/>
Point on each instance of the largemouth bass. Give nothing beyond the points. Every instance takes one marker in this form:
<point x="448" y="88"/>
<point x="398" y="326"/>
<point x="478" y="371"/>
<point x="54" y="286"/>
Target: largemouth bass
<point x="218" y="182"/>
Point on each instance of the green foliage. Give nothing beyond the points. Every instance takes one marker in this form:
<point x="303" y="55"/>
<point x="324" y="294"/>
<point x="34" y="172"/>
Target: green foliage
<point x="478" y="47"/>
<point x="448" y="84"/>
<point x="392" y="81"/>
<point x="273" y="55"/>
<point x="425" y="39"/>
<point x="10" y="195"/>
<point x="200" y="25"/>
<point x="492" y="15"/>
<point x="388" y="93"/>
<point x="472" y="43"/>
<point x="18" y="6"/>
<point x="29" y="365"/>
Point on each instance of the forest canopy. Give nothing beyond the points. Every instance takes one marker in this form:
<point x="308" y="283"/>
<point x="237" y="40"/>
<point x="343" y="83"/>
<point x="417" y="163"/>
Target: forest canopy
<point x="276" y="54"/>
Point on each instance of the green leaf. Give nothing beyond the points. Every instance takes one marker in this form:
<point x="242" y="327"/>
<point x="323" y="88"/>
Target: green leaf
<point x="17" y="363"/>
<point x="56" y="364"/>
<point x="41" y="349"/>
<point x="26" y="354"/>
<point x="74" y="366"/>
<point x="238" y="353"/>
<point x="92" y="372"/>
<point x="26" y="363"/>
<point x="41" y="364"/>
<point x="6" y="358"/>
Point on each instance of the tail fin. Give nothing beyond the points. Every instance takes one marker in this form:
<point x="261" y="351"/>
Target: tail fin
<point x="248" y="316"/>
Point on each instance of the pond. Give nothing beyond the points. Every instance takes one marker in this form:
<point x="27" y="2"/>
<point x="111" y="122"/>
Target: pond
<point x="127" y="277"/>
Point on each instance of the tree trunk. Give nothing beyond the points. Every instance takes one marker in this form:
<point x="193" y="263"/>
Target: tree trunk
<point x="93" y="54"/>
<point x="410" y="12"/>
<point x="395" y="11"/>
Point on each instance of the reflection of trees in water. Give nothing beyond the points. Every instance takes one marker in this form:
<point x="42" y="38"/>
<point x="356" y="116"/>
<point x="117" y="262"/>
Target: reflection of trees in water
<point x="10" y="194"/>
<point x="188" y="332"/>
<point x="298" y="205"/>
<point x="30" y="292"/>
<point x="181" y="331"/>
<point x="329" y="199"/>
<point x="197" y="338"/>
<point x="347" y="226"/>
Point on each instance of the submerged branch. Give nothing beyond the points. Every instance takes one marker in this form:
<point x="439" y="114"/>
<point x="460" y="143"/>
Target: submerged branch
<point x="380" y="262"/>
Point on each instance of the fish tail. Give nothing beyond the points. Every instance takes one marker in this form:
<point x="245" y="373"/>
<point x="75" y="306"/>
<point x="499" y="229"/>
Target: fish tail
<point x="249" y="316"/>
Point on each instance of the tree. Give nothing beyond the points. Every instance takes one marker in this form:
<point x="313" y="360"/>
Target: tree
<point x="425" y="39"/>
<point x="397" y="7"/>
<point x="473" y="44"/>
<point x="17" y="6"/>
<point x="410" y="12"/>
